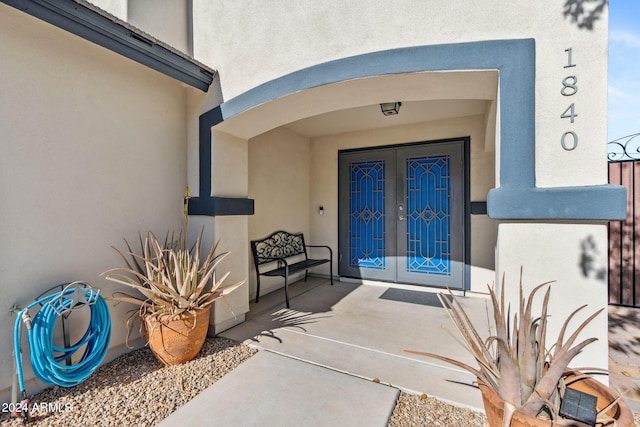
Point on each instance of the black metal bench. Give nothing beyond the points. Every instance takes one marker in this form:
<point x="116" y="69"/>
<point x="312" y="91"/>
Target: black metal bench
<point x="280" y="248"/>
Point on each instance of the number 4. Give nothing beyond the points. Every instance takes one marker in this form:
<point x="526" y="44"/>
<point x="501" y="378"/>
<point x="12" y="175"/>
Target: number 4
<point x="569" y="113"/>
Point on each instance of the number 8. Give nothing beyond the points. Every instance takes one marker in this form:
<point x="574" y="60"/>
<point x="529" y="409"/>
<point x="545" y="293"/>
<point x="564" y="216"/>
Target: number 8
<point x="569" y="87"/>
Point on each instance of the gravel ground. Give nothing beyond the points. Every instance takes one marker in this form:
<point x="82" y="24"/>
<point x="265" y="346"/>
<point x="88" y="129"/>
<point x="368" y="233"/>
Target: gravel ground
<point x="125" y="392"/>
<point x="135" y="389"/>
<point x="413" y="410"/>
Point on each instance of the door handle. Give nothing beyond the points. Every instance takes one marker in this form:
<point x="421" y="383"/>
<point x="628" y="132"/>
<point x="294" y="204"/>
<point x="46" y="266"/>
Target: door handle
<point x="400" y="217"/>
<point x="400" y="212"/>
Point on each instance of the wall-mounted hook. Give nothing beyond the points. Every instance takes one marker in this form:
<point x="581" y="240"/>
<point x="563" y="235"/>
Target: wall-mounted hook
<point x="15" y="309"/>
<point x="74" y="295"/>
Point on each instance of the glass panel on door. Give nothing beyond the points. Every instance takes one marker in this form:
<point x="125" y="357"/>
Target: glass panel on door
<point x="431" y="234"/>
<point x="366" y="215"/>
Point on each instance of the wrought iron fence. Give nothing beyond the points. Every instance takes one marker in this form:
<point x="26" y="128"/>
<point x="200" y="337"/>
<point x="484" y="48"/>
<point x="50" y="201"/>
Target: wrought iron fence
<point x="625" y="148"/>
<point x="624" y="236"/>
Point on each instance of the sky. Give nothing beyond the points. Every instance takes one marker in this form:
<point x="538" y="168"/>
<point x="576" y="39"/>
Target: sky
<point x="624" y="68"/>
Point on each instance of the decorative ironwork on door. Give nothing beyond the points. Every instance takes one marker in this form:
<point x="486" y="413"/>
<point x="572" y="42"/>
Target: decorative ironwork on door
<point x="428" y="207"/>
<point x="367" y="231"/>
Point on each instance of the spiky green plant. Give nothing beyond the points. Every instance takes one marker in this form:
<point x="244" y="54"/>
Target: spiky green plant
<point x="172" y="278"/>
<point x="515" y="362"/>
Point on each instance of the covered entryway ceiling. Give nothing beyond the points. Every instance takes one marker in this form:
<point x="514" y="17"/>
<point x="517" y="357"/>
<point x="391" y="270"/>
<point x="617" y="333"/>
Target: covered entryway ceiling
<point x="354" y="104"/>
<point x="370" y="117"/>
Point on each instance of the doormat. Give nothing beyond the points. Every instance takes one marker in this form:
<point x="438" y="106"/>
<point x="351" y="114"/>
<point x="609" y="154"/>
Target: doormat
<point x="412" y="297"/>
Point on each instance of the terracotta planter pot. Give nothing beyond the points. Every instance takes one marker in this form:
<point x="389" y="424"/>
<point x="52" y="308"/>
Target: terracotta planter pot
<point x="493" y="406"/>
<point x="180" y="339"/>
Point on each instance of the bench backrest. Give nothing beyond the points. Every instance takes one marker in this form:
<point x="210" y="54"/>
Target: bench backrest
<point x="280" y="244"/>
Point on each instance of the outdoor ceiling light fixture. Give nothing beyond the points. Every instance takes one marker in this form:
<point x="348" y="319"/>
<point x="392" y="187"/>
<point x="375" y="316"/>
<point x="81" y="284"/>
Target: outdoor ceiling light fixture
<point x="390" y="108"/>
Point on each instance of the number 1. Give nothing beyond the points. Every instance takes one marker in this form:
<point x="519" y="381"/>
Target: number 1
<point x="569" y="59"/>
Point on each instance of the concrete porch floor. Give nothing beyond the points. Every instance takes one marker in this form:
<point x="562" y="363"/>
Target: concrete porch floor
<point x="363" y="330"/>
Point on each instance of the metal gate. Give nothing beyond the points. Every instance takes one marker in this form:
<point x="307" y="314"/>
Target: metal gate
<point x="624" y="236"/>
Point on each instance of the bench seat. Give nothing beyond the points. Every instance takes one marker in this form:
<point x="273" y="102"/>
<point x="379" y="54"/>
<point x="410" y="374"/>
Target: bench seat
<point x="293" y="268"/>
<point x="284" y="249"/>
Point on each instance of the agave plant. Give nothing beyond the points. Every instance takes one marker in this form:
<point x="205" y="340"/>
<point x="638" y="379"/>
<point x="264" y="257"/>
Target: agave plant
<point x="515" y="361"/>
<point x="172" y="278"/>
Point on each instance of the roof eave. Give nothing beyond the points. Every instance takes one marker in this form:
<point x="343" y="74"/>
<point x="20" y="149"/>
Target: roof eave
<point x="97" y="26"/>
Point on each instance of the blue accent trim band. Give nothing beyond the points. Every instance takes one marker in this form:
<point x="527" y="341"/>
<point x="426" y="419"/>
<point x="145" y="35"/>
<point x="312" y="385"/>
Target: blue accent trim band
<point x="204" y="151"/>
<point x="205" y="204"/>
<point x="517" y="197"/>
<point x="478" y="208"/>
<point x="219" y="206"/>
<point x="515" y="59"/>
<point x="596" y="202"/>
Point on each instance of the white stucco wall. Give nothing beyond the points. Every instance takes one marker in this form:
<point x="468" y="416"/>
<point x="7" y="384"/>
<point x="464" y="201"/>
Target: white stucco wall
<point x="229" y="178"/>
<point x="253" y="43"/>
<point x="279" y="182"/>
<point x="230" y="233"/>
<point x="324" y="182"/>
<point x="167" y="21"/>
<point x="93" y="150"/>
<point x="546" y="252"/>
<point x="117" y="8"/>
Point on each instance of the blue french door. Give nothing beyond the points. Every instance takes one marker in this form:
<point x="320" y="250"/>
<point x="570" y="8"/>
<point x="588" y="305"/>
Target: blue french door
<point x="401" y="215"/>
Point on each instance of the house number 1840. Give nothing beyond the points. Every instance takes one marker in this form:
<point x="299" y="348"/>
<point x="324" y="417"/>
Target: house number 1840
<point x="569" y="140"/>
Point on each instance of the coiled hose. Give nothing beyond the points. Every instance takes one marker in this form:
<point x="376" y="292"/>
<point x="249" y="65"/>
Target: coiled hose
<point x="45" y="356"/>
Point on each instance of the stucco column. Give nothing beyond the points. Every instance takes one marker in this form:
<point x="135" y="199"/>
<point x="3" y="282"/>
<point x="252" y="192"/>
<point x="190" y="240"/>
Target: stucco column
<point x="229" y="178"/>
<point x="576" y="256"/>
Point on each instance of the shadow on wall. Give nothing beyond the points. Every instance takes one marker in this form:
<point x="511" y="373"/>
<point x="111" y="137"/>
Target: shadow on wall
<point x="591" y="260"/>
<point x="584" y="13"/>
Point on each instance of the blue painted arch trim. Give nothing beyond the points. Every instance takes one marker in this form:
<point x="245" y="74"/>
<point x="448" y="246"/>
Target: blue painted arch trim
<point x="515" y="61"/>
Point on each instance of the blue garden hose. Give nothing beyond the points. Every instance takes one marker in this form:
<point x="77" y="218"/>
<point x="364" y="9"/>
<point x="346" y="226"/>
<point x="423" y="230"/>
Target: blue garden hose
<point x="45" y="356"/>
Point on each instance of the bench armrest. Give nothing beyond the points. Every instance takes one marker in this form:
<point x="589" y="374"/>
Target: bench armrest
<point x="322" y="246"/>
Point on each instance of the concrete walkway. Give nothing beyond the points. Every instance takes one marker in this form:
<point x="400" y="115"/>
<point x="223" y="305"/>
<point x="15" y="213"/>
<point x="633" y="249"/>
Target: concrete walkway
<point x="363" y="330"/>
<point x="298" y="376"/>
<point x="273" y="390"/>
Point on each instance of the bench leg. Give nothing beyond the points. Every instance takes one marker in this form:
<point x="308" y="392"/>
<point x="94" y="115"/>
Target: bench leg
<point x="306" y="274"/>
<point x="257" y="287"/>
<point x="286" y="286"/>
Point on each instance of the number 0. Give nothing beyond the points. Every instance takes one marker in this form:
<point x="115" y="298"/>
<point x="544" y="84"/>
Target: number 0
<point x="564" y="144"/>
